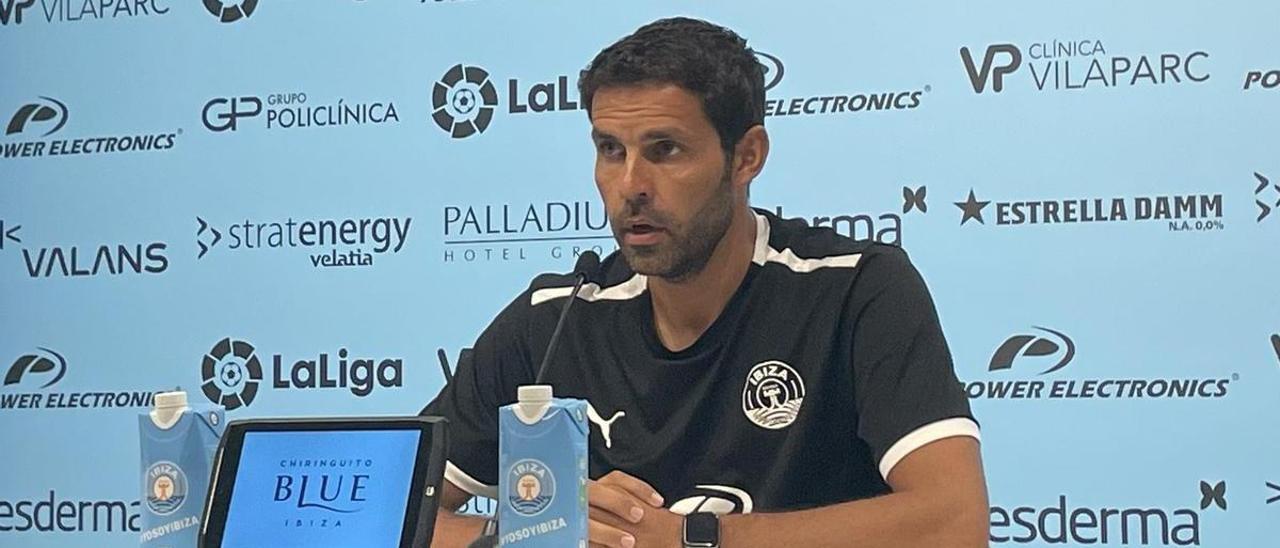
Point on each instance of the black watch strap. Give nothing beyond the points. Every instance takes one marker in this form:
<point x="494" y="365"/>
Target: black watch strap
<point x="702" y="530"/>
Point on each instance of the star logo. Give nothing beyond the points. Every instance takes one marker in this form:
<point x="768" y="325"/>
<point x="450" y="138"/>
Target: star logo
<point x="972" y="209"/>
<point x="1275" y="342"/>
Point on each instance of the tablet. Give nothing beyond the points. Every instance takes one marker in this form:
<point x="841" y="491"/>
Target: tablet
<point x="370" y="482"/>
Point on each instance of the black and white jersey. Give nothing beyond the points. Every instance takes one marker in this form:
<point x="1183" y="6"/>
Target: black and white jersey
<point x="824" y="370"/>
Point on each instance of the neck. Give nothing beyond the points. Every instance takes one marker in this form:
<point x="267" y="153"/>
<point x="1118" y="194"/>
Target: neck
<point x="684" y="309"/>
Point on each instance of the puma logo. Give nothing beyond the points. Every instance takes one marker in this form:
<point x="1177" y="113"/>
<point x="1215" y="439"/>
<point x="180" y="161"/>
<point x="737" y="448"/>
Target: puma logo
<point x="605" y="425"/>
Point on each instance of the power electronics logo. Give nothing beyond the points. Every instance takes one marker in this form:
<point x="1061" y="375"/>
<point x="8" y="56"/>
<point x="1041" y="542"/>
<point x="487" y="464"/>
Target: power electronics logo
<point x="230" y="11"/>
<point x="834" y="103"/>
<point x="29" y="384"/>
<point x="1179" y="213"/>
<point x="1067" y="523"/>
<point x="1062" y="65"/>
<point x="232" y="374"/>
<point x="1264" y="194"/>
<point x="293" y="111"/>
<point x="79" y="261"/>
<point x="465" y="99"/>
<point x="1049" y="352"/>
<point x="1256" y="79"/>
<point x="16" y="12"/>
<point x="30" y="130"/>
<point x="351" y="242"/>
<point x="505" y="232"/>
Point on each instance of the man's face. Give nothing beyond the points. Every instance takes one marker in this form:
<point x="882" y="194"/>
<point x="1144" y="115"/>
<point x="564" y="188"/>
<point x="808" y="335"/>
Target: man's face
<point x="663" y="176"/>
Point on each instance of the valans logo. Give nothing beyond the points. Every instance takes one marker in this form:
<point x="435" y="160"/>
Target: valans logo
<point x="78" y="261"/>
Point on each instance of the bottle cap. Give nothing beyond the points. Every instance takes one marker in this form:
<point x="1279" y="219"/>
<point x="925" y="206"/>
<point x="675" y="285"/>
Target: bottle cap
<point x="170" y="400"/>
<point x="534" y="393"/>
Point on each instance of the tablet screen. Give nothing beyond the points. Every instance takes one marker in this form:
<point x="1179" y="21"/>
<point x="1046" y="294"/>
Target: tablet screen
<point x="321" y="488"/>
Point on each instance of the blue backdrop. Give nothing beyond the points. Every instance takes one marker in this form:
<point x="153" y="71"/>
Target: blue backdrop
<point x="1092" y="191"/>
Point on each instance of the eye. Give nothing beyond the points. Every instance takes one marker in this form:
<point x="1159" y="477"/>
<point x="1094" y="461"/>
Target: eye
<point x="666" y="148"/>
<point x="609" y="149"/>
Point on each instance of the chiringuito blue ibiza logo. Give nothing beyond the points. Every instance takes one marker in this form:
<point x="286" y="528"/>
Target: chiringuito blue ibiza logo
<point x="166" y="487"/>
<point x="530" y="487"/>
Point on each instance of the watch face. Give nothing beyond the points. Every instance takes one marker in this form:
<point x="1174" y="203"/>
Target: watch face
<point x="702" y="530"/>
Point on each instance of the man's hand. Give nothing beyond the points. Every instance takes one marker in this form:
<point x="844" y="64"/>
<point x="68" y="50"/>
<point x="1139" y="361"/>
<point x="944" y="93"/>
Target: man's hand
<point x="627" y="513"/>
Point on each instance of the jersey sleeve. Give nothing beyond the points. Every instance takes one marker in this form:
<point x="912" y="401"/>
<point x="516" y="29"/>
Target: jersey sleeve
<point x="487" y="377"/>
<point x="905" y="387"/>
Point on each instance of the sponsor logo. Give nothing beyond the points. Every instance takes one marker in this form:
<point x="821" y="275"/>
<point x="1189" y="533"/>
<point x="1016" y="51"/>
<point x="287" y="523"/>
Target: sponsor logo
<point x="166" y="487"/>
<point x="15" y="12"/>
<point x="1275" y="344"/>
<point x="58" y="514"/>
<point x="347" y="242"/>
<point x="28" y="379"/>
<point x="232" y="373"/>
<point x="9" y="234"/>
<point x="466" y="99"/>
<point x="885" y="228"/>
<point x="1263" y="194"/>
<point x="1273" y="497"/>
<point x="48" y="112"/>
<point x="1215" y="494"/>
<point x="78" y="261"/>
<point x="833" y="103"/>
<point x="46" y="361"/>
<point x="913" y="199"/>
<point x="292" y="111"/>
<point x="717" y="499"/>
<point x="605" y="426"/>
<point x="1180" y="213"/>
<point x="1255" y="79"/>
<point x="230" y="11"/>
<point x="28" y="131"/>
<point x="515" y="231"/>
<point x="336" y="487"/>
<point x="1064" y="523"/>
<point x="530" y="487"/>
<point x="772" y="395"/>
<point x="1052" y="351"/>
<point x="1060" y="65"/>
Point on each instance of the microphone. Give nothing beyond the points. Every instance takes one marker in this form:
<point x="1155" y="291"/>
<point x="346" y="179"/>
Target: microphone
<point x="588" y="262"/>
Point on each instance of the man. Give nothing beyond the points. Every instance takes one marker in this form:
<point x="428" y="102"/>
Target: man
<point x="793" y="379"/>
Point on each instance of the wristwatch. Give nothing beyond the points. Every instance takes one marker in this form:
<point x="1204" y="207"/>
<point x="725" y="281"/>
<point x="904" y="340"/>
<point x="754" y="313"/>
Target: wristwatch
<point x="702" y="530"/>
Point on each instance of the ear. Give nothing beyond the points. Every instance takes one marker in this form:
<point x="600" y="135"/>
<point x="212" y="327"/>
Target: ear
<point x="749" y="156"/>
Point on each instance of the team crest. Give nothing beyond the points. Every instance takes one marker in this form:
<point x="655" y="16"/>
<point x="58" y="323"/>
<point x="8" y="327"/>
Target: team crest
<point x="772" y="395"/>
<point x="530" y="487"/>
<point x="166" y="488"/>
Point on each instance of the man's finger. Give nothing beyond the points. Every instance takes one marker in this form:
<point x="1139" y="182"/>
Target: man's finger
<point x="612" y="537"/>
<point x="615" y="501"/>
<point x="631" y="484"/>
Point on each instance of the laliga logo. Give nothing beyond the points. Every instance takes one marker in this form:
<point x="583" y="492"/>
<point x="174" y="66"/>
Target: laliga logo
<point x="230" y="11"/>
<point x="463" y="101"/>
<point x="530" y="487"/>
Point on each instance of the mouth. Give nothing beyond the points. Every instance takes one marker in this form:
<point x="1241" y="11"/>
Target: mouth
<point x="642" y="232"/>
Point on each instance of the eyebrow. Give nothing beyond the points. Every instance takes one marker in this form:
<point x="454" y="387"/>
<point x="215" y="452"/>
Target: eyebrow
<point x="651" y="135"/>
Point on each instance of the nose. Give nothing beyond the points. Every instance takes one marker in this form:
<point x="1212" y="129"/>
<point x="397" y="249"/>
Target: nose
<point x="636" y="182"/>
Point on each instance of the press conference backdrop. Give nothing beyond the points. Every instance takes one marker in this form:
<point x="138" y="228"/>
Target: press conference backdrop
<point x="303" y="208"/>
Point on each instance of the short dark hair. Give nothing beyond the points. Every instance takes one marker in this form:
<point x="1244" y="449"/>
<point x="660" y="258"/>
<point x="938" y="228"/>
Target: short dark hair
<point x="708" y="60"/>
